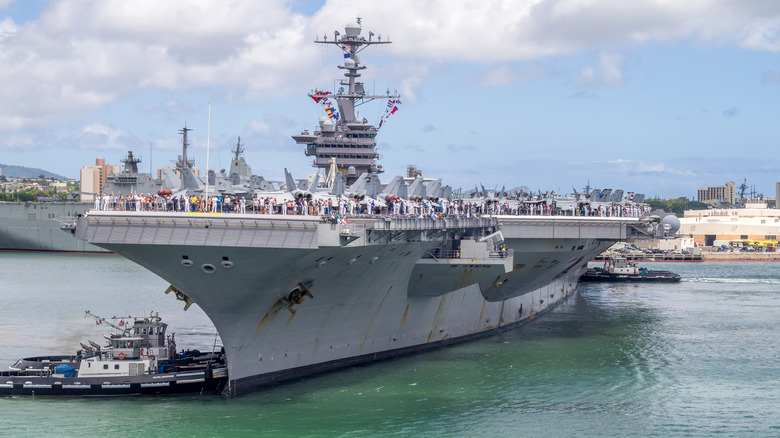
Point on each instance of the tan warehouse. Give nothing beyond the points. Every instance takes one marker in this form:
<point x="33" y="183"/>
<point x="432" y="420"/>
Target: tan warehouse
<point x="756" y="222"/>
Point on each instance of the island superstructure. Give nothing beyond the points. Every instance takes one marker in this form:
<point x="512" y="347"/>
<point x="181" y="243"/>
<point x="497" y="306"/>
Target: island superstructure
<point x="341" y="135"/>
<point x="297" y="295"/>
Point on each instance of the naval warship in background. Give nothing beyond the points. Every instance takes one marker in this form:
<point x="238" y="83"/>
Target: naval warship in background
<point x="294" y="295"/>
<point x="130" y="180"/>
<point x="36" y="226"/>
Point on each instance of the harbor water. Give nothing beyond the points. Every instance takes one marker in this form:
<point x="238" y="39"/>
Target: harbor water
<point x="696" y="358"/>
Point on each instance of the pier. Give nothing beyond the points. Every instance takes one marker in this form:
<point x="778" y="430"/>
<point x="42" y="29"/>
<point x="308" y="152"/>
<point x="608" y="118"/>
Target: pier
<point x="703" y="257"/>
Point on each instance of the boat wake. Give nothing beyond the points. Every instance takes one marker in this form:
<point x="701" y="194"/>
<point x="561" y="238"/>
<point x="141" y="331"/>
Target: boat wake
<point x="732" y="280"/>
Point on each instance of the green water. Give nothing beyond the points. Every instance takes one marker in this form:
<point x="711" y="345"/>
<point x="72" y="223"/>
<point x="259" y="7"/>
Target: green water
<point x="699" y="358"/>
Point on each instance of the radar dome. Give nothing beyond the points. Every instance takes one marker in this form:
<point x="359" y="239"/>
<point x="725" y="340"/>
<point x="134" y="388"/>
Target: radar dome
<point x="349" y="63"/>
<point x="672" y="221"/>
<point x="352" y="29"/>
<point x="328" y="126"/>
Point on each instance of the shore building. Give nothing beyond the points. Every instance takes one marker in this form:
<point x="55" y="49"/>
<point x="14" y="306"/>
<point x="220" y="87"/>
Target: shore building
<point x="714" y="227"/>
<point x="715" y="194"/>
<point x="93" y="178"/>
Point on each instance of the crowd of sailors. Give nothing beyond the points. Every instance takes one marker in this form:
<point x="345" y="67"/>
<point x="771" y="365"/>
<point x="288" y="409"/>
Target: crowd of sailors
<point x="344" y="206"/>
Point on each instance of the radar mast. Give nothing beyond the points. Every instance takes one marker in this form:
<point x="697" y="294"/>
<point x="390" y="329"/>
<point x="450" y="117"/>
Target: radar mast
<point x="341" y="136"/>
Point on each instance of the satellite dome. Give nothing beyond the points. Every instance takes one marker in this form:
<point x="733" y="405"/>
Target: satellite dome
<point x="328" y="126"/>
<point x="352" y="29"/>
<point x="351" y="171"/>
<point x="672" y="221"/>
<point x="349" y="63"/>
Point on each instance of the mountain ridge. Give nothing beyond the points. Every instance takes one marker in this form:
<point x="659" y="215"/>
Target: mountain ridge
<point x="11" y="170"/>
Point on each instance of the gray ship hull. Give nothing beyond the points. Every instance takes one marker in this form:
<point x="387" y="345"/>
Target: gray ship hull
<point x="368" y="298"/>
<point x="35" y="226"/>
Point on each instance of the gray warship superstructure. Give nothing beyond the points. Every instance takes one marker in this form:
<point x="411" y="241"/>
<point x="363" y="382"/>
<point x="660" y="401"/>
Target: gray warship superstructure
<point x="341" y="135"/>
<point x="183" y="180"/>
<point x="293" y="295"/>
<point x="130" y="181"/>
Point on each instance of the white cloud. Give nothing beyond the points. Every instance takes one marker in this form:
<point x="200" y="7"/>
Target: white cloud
<point x="17" y="142"/>
<point x="507" y="74"/>
<point x="501" y="30"/>
<point x="258" y="127"/>
<point x="631" y="167"/>
<point x="7" y="28"/>
<point x="77" y="57"/>
<point x="101" y="137"/>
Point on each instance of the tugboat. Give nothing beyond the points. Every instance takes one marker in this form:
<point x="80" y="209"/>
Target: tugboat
<point x="138" y="359"/>
<point x="619" y="268"/>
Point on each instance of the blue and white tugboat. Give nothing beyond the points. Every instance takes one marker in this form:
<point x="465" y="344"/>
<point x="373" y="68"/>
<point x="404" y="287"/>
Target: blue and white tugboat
<point x="619" y="268"/>
<point x="138" y="359"/>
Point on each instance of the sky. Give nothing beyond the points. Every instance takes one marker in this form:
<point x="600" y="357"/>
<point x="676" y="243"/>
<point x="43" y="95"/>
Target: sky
<point x="659" y="97"/>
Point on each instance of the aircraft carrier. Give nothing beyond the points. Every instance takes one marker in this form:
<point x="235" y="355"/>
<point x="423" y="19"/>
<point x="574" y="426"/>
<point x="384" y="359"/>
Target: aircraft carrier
<point x="294" y="295"/>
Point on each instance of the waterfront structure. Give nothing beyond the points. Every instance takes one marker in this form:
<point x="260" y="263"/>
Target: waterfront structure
<point x="93" y="178"/>
<point x="777" y="195"/>
<point x="716" y="226"/>
<point x="718" y="194"/>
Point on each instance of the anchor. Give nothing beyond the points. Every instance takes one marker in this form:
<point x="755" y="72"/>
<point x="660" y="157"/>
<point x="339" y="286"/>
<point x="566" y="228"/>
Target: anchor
<point x="296" y="296"/>
<point x="181" y="296"/>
